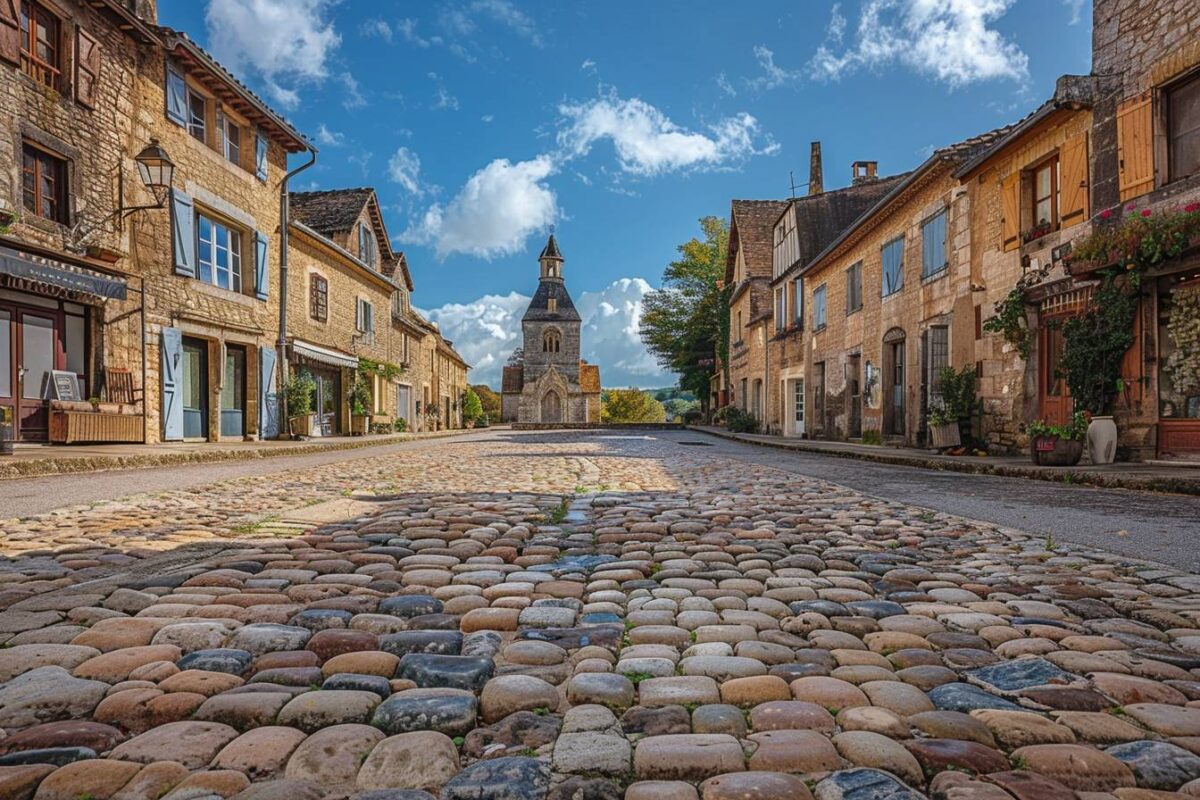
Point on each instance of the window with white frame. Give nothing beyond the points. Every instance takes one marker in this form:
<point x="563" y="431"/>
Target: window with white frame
<point x="229" y="138"/>
<point x="892" y="256"/>
<point x="219" y="253"/>
<point x="364" y="319"/>
<point x="197" y="120"/>
<point x="819" y="307"/>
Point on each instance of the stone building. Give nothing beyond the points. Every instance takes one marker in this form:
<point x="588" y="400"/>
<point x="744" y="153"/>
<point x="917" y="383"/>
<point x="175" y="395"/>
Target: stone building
<point x="343" y="275"/>
<point x="748" y="274"/>
<point x="547" y="382"/>
<point x="806" y="226"/>
<point x="889" y="306"/>
<point x="70" y="300"/>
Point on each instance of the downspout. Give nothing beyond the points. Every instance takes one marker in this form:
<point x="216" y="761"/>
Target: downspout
<point x="281" y="345"/>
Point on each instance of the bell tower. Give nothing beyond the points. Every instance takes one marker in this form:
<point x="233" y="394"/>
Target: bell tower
<point x="551" y="260"/>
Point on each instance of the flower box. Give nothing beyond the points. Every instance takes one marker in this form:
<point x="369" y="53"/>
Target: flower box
<point x="945" y="436"/>
<point x="1055" y="451"/>
<point x="69" y="427"/>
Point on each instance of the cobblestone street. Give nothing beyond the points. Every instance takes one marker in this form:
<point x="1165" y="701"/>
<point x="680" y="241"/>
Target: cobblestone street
<point x="582" y="617"/>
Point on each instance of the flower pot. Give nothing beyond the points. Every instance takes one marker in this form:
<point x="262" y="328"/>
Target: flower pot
<point x="1052" y="451"/>
<point x="945" y="436"/>
<point x="302" y="425"/>
<point x="1102" y="440"/>
<point x="359" y="425"/>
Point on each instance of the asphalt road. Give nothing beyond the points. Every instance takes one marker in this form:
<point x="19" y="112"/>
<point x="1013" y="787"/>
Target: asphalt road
<point x="1154" y="527"/>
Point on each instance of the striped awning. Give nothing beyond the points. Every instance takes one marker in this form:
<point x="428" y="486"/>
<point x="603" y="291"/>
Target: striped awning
<point x="60" y="275"/>
<point x="323" y="355"/>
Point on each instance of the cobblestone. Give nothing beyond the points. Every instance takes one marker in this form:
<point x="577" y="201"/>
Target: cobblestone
<point x="552" y="615"/>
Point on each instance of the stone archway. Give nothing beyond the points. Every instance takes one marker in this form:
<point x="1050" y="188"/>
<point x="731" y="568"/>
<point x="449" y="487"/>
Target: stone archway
<point x="551" y="407"/>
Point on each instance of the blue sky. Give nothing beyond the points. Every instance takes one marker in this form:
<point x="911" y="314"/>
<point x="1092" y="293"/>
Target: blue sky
<point x="480" y="123"/>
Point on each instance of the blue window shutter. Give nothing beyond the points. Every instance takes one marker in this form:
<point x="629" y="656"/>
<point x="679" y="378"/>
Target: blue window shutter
<point x="260" y="155"/>
<point x="176" y="97"/>
<point x="183" y="234"/>
<point x="268" y="395"/>
<point x="172" y="384"/>
<point x="261" y="273"/>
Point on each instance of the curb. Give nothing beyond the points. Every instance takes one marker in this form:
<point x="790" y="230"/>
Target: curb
<point x="41" y="467"/>
<point x="1167" y="485"/>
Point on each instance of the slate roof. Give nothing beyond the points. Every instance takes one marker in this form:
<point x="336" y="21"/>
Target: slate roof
<point x="551" y="249"/>
<point x="752" y="226"/>
<point x="330" y="211"/>
<point x="539" y="306"/>
<point x="821" y="217"/>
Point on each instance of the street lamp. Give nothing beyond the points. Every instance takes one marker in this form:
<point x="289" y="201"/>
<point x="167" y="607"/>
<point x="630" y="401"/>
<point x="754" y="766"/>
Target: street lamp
<point x="156" y="170"/>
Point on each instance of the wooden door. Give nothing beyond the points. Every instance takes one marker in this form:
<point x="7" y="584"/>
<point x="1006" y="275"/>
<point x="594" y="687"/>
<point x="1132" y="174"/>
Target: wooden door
<point x="854" y="397"/>
<point x="1053" y="393"/>
<point x="894" y="378"/>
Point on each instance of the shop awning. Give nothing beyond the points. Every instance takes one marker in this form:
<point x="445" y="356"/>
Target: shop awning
<point x="59" y="274"/>
<point x="323" y="355"/>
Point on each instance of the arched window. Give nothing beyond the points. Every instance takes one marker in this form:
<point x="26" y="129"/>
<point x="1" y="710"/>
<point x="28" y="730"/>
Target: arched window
<point x="551" y="341"/>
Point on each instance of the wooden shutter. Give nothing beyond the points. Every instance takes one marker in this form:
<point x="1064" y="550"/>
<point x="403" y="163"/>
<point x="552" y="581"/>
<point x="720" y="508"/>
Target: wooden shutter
<point x="87" y="68"/>
<point x="10" y="32"/>
<point x="183" y="234"/>
<point x="172" y="384"/>
<point x="268" y="396"/>
<point x="176" y="90"/>
<point x="1135" y="146"/>
<point x="1073" y="161"/>
<point x="1010" y="211"/>
<point x="261" y="272"/>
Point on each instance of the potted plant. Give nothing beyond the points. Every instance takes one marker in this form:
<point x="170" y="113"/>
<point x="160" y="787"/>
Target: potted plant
<point x="951" y="418"/>
<point x="1037" y="231"/>
<point x="944" y="433"/>
<point x="298" y="392"/>
<point x="1058" y="445"/>
<point x="359" y="398"/>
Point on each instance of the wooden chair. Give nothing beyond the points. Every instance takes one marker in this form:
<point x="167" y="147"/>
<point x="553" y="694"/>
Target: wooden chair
<point x="118" y="386"/>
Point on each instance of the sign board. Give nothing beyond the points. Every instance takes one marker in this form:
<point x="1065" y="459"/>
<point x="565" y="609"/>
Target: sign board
<point x="65" y="385"/>
<point x="1046" y="445"/>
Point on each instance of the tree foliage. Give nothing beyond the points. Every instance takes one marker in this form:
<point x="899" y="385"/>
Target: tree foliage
<point x="472" y="409"/>
<point x="685" y="324"/>
<point x="489" y="399"/>
<point x="630" y="405"/>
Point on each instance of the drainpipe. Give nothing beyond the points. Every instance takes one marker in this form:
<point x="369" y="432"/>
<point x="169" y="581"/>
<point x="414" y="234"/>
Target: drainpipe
<point x="281" y="345"/>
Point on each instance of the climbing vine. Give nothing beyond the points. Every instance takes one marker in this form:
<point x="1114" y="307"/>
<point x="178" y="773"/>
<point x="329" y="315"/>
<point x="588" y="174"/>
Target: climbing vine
<point x="1094" y="344"/>
<point x="1009" y="321"/>
<point x="1183" y="326"/>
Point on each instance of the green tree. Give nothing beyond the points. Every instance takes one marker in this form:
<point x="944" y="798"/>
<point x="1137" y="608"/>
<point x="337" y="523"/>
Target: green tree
<point x="685" y="324"/>
<point x="489" y="399"/>
<point x="630" y="405"/>
<point x="472" y="409"/>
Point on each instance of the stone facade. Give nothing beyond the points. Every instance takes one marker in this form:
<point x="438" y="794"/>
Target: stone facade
<point x="548" y="382"/>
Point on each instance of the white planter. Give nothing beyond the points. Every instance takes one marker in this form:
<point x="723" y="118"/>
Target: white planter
<point x="1102" y="440"/>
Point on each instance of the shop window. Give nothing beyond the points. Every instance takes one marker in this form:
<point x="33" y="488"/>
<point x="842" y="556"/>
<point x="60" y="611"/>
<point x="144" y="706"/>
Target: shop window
<point x="892" y="256"/>
<point x="41" y="44"/>
<point x="219" y="248"/>
<point x="44" y="184"/>
<point x="1183" y="128"/>
<point x="318" y="297"/>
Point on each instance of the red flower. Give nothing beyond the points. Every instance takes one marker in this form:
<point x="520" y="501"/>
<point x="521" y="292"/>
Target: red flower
<point x="1190" y="207"/>
<point x="1106" y="213"/>
<point x="1129" y="207"/>
<point x="1145" y="212"/>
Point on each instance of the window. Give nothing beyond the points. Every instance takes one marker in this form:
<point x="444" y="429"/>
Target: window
<point x="364" y="319"/>
<point x="819" y="307"/>
<point x="399" y="302"/>
<point x="551" y="342"/>
<point x="740" y="327"/>
<point x="1045" y="194"/>
<point x="1183" y="129"/>
<point x="229" y="139"/>
<point x="893" y="266"/>
<point x="366" y="245"/>
<point x="780" y="308"/>
<point x="197" y="119"/>
<point x="937" y="358"/>
<point x="552" y="305"/>
<point x="853" y="288"/>
<point x="41" y="48"/>
<point x="219" y="250"/>
<point x="745" y="392"/>
<point x="798" y="300"/>
<point x="318" y="297"/>
<point x="934" y="258"/>
<point x="44" y="184"/>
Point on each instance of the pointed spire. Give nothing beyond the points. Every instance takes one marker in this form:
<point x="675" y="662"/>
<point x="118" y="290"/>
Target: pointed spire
<point x="551" y="249"/>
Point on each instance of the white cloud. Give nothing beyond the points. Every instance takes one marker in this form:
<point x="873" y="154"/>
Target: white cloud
<point x="648" y="143"/>
<point x="1076" y="9"/>
<point x="408" y="29"/>
<point x="773" y="75"/>
<point x="724" y="85"/>
<point x="511" y="17"/>
<point x="487" y="117"/>
<point x="949" y="40"/>
<point x="487" y="330"/>
<point x="377" y="27"/>
<point x="285" y="42"/>
<point x="354" y="97"/>
<point x="404" y="168"/>
<point x="496" y="210"/>
<point x="588" y="66"/>
<point x="362" y="160"/>
<point x="328" y="138"/>
<point x="443" y="98"/>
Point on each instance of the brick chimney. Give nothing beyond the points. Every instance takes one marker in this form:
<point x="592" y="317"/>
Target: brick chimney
<point x="864" y="172"/>
<point x="815" y="178"/>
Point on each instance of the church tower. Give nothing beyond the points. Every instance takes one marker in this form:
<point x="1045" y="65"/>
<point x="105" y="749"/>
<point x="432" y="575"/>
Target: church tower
<point x="550" y="327"/>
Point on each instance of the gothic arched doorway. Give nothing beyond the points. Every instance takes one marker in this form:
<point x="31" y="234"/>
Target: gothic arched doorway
<point x="551" y="407"/>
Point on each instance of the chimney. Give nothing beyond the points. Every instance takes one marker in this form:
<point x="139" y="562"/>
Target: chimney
<point x="864" y="172"/>
<point x="815" y="180"/>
